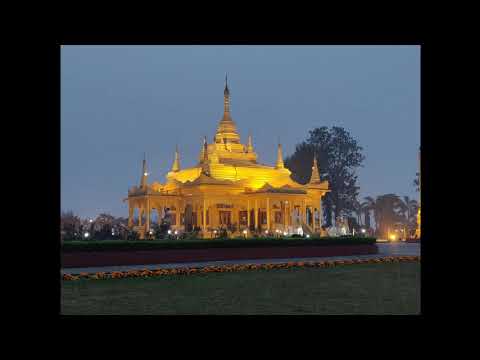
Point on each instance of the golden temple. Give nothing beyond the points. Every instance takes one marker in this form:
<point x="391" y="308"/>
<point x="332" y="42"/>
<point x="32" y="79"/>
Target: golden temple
<point x="229" y="189"/>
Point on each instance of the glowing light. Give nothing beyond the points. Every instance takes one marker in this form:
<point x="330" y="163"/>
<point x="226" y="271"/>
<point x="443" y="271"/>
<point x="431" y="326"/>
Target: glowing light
<point x="86" y="234"/>
<point x="169" y="232"/>
<point x="393" y="237"/>
<point x="176" y="232"/>
<point x="308" y="236"/>
<point x="91" y="220"/>
<point x="145" y="174"/>
<point x="244" y="231"/>
<point x="266" y="231"/>
<point x="285" y="233"/>
<point x="151" y="232"/>
<point x="214" y="231"/>
<point x="363" y="231"/>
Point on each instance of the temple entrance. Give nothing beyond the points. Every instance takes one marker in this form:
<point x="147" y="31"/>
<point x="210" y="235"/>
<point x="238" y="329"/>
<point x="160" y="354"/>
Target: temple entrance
<point x="224" y="218"/>
<point x="188" y="218"/>
<point x="252" y="220"/>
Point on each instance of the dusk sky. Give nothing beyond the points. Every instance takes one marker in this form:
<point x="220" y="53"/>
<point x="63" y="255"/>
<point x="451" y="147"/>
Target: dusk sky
<point x="118" y="102"/>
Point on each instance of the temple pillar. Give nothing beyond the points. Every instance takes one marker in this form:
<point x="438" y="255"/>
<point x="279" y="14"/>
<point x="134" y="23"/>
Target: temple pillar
<point x="284" y="215"/>
<point x="248" y="215"/>
<point x="140" y="214"/>
<point x="320" y="214"/>
<point x="147" y="215"/>
<point x="178" y="221"/>
<point x="131" y="210"/>
<point x="268" y="214"/>
<point x="314" y="222"/>
<point x="256" y="214"/>
<point x="204" y="216"/>
<point x="304" y="212"/>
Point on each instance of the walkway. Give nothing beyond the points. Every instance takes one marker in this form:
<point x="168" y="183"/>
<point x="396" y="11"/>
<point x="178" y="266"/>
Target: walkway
<point x="384" y="249"/>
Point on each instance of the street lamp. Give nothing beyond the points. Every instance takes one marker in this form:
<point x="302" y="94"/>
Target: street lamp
<point x="245" y="233"/>
<point x="86" y="235"/>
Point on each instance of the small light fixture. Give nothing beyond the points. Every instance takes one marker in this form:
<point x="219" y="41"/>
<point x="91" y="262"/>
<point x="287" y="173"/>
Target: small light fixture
<point x="363" y="231"/>
<point x="86" y="234"/>
<point x="214" y="231"/>
<point x="308" y="235"/>
<point x="244" y="231"/>
<point x="145" y="174"/>
<point x="169" y="232"/>
<point x="176" y="232"/>
<point x="91" y="220"/>
<point x="266" y="231"/>
<point x="285" y="233"/>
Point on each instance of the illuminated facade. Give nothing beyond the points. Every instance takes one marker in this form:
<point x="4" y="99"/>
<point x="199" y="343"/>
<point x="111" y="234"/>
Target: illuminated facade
<point x="228" y="188"/>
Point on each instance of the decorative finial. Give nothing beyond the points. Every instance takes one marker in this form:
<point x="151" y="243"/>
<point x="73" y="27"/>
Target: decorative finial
<point x="205" y="166"/>
<point x="143" y="181"/>
<point x="250" y="143"/>
<point x="279" y="164"/>
<point x="176" y="161"/>
<point x="315" y="178"/>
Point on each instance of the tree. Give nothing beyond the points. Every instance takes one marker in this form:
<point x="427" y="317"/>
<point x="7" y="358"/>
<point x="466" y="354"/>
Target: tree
<point x="69" y="225"/>
<point x="369" y="205"/>
<point x="365" y="210"/>
<point x="416" y="182"/>
<point x="338" y="157"/>
<point x="358" y="211"/>
<point x="388" y="210"/>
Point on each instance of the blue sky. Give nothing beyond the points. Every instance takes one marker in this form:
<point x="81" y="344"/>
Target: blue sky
<point x="118" y="102"/>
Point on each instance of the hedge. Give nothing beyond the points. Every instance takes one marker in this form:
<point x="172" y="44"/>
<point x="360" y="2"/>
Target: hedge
<point x="122" y="245"/>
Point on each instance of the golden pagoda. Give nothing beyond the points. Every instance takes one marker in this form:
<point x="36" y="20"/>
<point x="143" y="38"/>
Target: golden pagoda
<point x="229" y="189"/>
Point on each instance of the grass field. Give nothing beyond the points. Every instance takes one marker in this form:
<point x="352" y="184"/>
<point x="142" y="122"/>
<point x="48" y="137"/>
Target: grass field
<point x="392" y="288"/>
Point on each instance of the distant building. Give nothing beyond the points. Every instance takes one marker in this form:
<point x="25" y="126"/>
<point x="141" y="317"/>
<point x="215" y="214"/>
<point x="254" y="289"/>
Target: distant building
<point x="229" y="188"/>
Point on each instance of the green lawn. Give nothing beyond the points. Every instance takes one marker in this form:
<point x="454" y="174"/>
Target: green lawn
<point x="392" y="288"/>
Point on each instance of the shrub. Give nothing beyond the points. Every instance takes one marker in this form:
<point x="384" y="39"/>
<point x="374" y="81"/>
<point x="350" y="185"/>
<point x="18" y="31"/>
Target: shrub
<point x="117" y="245"/>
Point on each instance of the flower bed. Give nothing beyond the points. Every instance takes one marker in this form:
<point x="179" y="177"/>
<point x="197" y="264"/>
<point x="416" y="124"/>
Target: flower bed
<point x="229" y="268"/>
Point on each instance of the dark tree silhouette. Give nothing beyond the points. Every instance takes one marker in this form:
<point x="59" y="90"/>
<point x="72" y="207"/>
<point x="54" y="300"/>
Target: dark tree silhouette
<point x="338" y="156"/>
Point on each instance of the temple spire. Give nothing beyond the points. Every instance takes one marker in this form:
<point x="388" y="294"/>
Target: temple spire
<point x="176" y="161"/>
<point x="143" y="181"/>
<point x="205" y="165"/>
<point x="250" y="144"/>
<point x="226" y="98"/>
<point x="279" y="164"/>
<point x="315" y="178"/>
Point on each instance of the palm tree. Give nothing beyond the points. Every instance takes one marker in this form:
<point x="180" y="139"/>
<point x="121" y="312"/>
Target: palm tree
<point x="369" y="205"/>
<point x="365" y="210"/>
<point x="357" y="208"/>
<point x="388" y="211"/>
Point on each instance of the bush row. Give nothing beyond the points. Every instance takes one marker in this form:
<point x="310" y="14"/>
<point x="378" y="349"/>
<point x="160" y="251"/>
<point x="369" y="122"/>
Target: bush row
<point x="236" y="267"/>
<point x="122" y="245"/>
